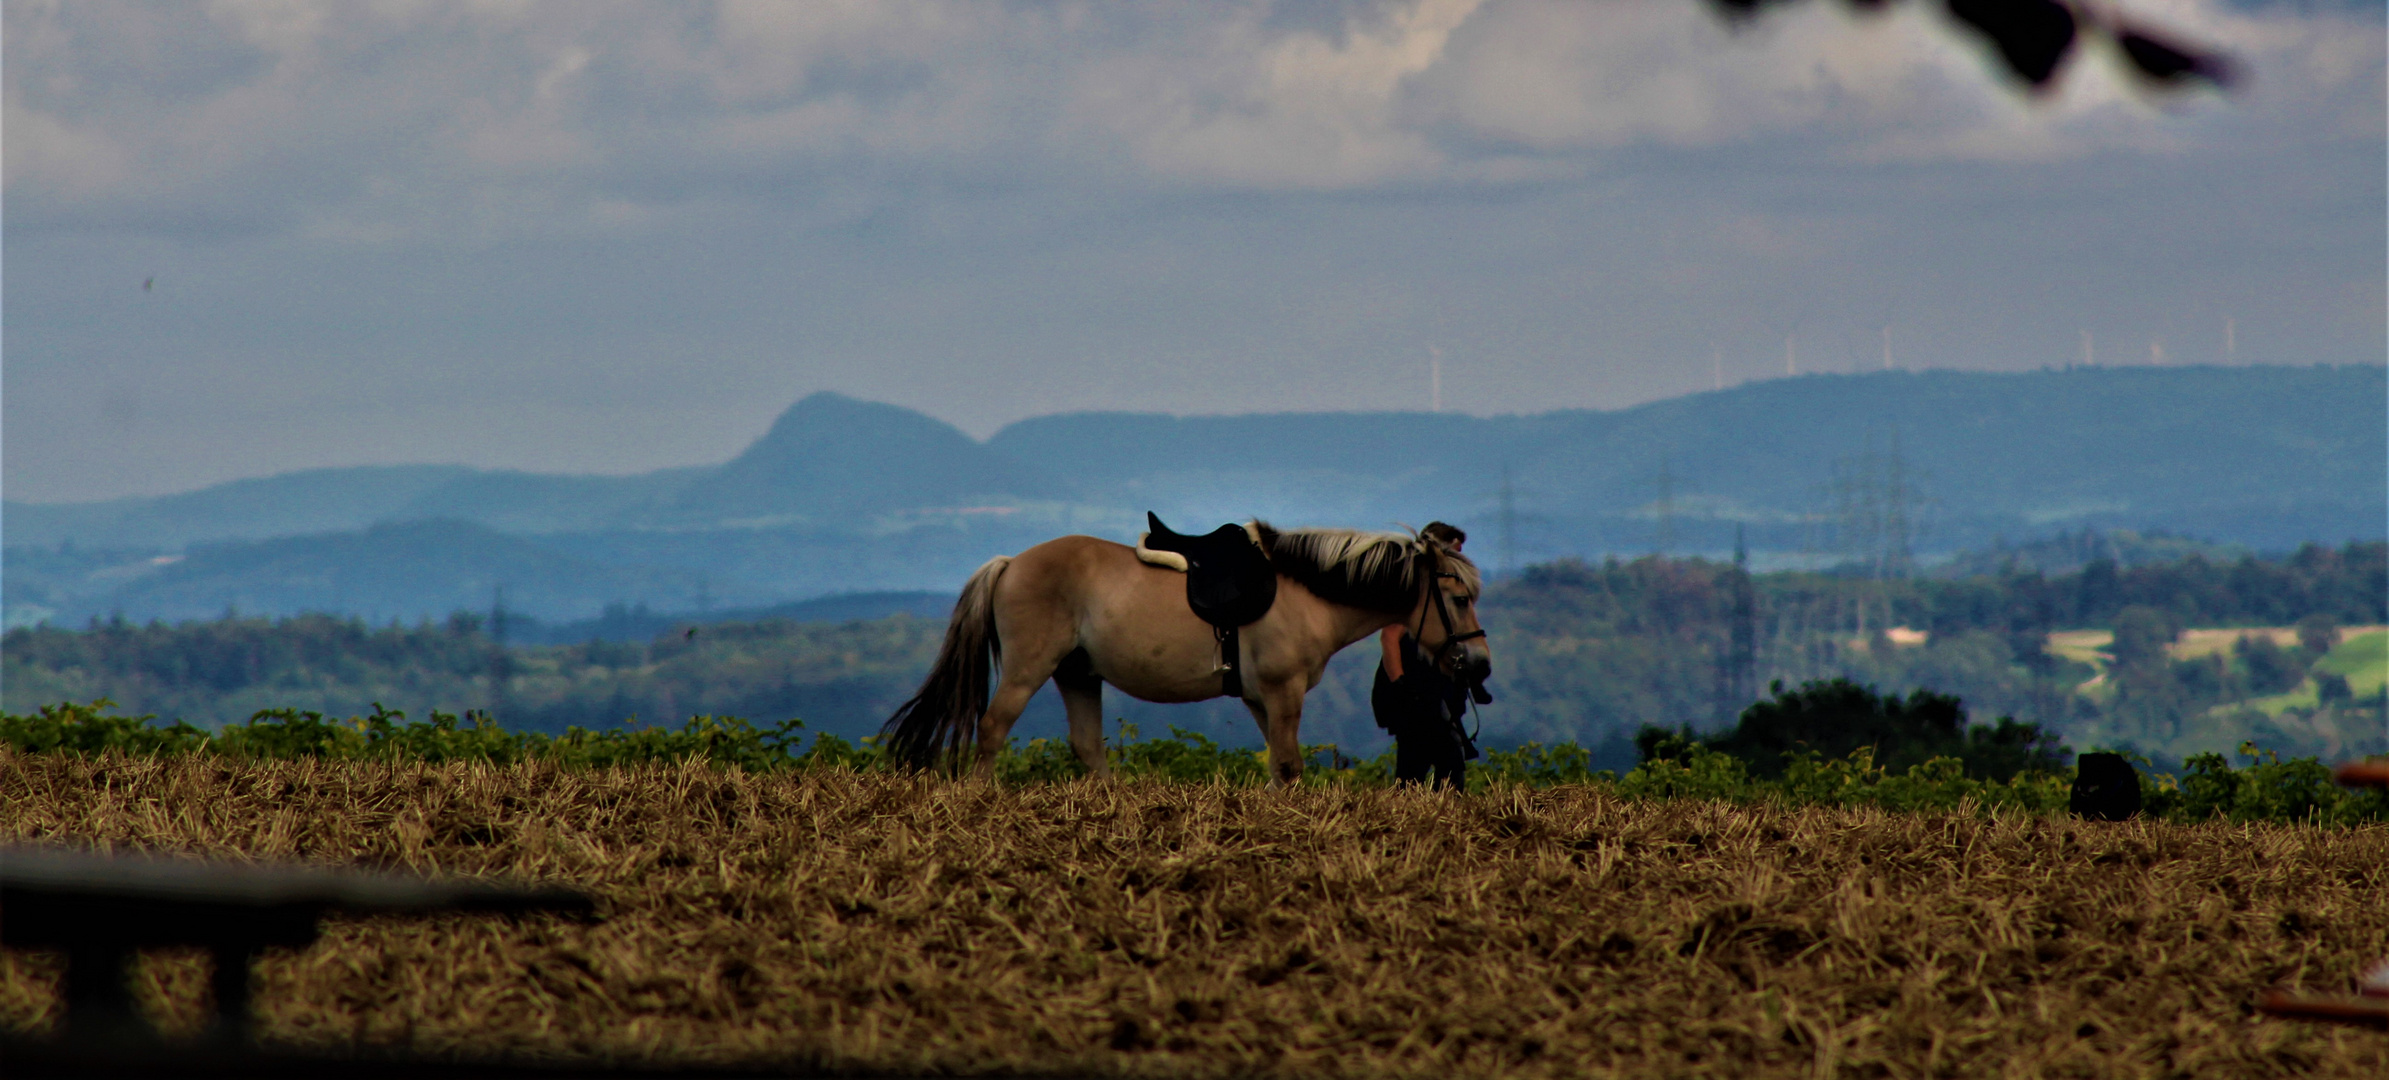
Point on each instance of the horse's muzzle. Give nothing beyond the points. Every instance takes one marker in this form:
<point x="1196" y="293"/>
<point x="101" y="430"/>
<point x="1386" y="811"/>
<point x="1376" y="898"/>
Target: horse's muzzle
<point x="1475" y="665"/>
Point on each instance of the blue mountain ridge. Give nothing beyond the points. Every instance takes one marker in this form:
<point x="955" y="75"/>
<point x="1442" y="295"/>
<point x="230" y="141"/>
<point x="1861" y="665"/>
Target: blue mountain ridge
<point x="841" y="495"/>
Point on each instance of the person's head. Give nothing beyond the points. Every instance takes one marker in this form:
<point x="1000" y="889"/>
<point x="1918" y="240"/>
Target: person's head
<point x="1450" y="536"/>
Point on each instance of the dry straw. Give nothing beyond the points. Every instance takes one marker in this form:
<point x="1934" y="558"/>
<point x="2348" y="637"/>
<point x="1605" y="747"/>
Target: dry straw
<point x="829" y="919"/>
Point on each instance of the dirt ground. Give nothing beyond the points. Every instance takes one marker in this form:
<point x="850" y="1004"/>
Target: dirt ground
<point x="910" y="924"/>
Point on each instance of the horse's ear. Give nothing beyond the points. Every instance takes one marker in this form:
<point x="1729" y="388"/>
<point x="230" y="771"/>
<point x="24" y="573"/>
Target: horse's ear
<point x="1265" y="536"/>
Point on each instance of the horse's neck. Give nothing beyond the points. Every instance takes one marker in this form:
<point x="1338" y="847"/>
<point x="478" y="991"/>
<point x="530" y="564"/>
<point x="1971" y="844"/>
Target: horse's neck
<point x="1351" y="624"/>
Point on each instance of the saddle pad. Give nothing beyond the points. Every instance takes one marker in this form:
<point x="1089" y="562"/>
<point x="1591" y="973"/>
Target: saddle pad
<point x="1168" y="560"/>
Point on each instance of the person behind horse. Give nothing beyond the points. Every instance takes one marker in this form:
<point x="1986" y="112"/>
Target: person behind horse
<point x="1418" y="705"/>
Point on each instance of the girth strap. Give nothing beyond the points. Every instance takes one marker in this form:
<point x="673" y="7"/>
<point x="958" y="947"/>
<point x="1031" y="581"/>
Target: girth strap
<point x="1231" y="664"/>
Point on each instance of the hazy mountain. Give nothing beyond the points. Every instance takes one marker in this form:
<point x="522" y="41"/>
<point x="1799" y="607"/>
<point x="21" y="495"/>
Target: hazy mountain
<point x="519" y="502"/>
<point x="639" y="623"/>
<point x="2068" y="552"/>
<point x="384" y="570"/>
<point x="313" y="501"/>
<point x="394" y="570"/>
<point x="843" y="496"/>
<point x="330" y="500"/>
<point x="2267" y="456"/>
<point x="831" y="462"/>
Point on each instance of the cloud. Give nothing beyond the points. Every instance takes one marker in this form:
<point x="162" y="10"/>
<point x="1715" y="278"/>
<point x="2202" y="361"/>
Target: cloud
<point x="1559" y="76"/>
<point x="398" y="119"/>
<point x="598" y="235"/>
<point x="1261" y="106"/>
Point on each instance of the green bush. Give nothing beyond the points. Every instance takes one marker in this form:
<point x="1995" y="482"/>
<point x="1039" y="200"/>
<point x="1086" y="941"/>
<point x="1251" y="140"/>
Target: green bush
<point x="1041" y="761"/>
<point x="1700" y="773"/>
<point x="1186" y="756"/>
<point x="91" y="729"/>
<point x="1537" y="765"/>
<point x="2270" y="789"/>
<point x="288" y="734"/>
<point x="1675" y="765"/>
<point x="1838" y="717"/>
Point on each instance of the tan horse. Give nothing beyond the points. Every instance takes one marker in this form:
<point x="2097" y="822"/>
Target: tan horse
<point x="1084" y="611"/>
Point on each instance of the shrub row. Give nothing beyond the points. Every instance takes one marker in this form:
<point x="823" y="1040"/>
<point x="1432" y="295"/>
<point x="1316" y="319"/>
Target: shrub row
<point x="2207" y="788"/>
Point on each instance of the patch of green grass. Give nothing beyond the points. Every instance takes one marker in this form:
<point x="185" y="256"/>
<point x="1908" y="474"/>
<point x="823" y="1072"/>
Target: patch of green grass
<point x="2304" y="697"/>
<point x="2363" y="659"/>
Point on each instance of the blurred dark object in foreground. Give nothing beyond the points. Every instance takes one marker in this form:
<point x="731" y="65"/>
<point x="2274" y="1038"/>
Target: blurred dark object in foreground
<point x="99" y="910"/>
<point x="2033" y="38"/>
<point x="2369" y="1005"/>
<point x="2374" y="773"/>
<point x="2106" y="788"/>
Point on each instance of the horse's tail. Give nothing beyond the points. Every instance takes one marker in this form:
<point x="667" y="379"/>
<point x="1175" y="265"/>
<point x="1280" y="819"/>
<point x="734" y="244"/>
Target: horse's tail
<point x="944" y="716"/>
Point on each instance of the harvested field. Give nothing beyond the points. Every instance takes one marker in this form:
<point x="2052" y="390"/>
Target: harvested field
<point x="896" y="923"/>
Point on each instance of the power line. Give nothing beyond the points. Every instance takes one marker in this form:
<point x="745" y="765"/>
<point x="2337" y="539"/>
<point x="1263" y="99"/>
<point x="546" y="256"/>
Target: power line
<point x="1509" y="523"/>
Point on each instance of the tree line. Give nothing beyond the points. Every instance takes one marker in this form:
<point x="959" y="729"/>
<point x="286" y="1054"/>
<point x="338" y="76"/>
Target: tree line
<point x="1589" y="652"/>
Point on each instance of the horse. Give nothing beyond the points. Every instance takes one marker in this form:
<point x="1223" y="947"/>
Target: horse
<point x="1084" y="611"/>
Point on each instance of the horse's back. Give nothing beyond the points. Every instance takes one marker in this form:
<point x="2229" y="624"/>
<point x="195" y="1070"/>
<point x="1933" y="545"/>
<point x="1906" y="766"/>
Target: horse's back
<point x="1088" y="574"/>
<point x="1131" y="617"/>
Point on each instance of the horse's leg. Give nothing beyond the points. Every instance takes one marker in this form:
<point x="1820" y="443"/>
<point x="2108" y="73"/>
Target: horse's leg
<point x="1034" y="651"/>
<point x="1082" y="699"/>
<point x="1279" y="712"/>
<point x="995" y="725"/>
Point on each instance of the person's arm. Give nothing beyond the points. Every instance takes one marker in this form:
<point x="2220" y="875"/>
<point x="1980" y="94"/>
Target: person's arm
<point x="1391" y="638"/>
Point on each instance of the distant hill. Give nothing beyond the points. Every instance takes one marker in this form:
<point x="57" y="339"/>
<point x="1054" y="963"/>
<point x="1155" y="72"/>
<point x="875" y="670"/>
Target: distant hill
<point x="2068" y="552"/>
<point x="831" y="462"/>
<point x="395" y="570"/>
<point x="312" y="501"/>
<point x="842" y="496"/>
<point x="629" y="623"/>
<point x="336" y="500"/>
<point x="2265" y="456"/>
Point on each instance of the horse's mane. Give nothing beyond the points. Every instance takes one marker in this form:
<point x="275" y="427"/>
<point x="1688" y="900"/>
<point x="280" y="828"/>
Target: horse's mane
<point x="1374" y="571"/>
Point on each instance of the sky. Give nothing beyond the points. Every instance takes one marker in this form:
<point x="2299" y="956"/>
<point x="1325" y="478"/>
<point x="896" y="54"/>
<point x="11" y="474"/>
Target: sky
<point x="244" y="237"/>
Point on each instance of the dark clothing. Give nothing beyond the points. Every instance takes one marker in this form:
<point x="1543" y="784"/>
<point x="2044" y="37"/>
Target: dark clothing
<point x="1422" y="711"/>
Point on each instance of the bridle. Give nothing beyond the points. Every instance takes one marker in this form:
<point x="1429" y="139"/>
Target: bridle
<point x="1454" y="649"/>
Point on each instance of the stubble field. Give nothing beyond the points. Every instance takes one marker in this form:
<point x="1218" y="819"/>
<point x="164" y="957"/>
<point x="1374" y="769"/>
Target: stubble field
<point x="889" y="923"/>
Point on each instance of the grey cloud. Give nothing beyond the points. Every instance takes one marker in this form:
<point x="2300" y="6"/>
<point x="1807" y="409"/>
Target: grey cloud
<point x="374" y="123"/>
<point x="609" y="237"/>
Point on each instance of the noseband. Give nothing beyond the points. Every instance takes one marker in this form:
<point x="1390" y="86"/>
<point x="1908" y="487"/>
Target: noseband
<point x="1454" y="642"/>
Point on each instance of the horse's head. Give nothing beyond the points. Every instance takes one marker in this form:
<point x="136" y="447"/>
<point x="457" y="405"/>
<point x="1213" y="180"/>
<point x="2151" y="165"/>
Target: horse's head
<point x="1445" y="618"/>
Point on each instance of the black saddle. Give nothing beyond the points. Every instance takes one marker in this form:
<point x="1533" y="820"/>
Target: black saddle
<point x="1229" y="583"/>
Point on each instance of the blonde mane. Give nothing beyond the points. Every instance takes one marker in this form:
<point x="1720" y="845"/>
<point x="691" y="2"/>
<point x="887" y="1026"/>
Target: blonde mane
<point x="1377" y="571"/>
